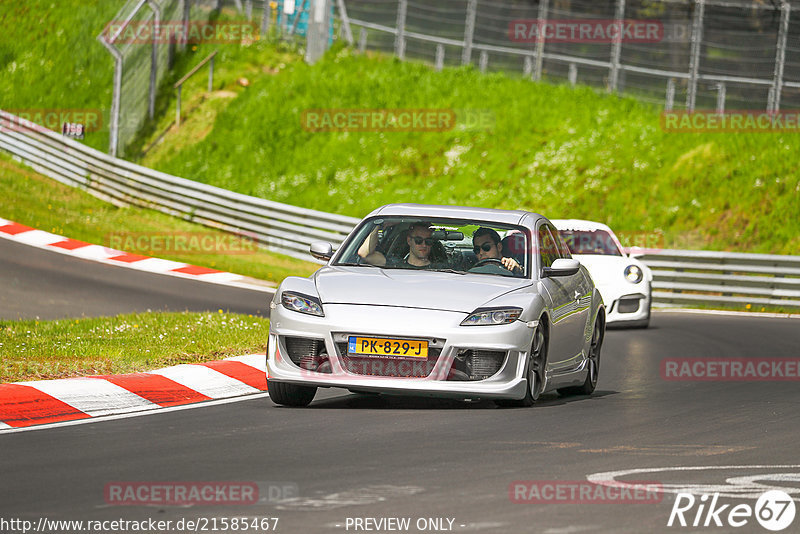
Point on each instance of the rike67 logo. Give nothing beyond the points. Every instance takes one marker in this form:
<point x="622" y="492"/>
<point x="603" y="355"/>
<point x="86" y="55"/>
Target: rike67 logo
<point x="774" y="510"/>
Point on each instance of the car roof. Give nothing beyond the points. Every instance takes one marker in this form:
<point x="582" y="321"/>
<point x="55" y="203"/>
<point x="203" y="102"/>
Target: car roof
<point x="455" y="212"/>
<point x="579" y="224"/>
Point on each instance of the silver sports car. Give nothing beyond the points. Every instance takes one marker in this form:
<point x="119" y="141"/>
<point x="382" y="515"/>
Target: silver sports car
<point x="439" y="301"/>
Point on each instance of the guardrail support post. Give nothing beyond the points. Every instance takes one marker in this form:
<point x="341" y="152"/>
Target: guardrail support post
<point x="362" y="41"/>
<point x="527" y="67"/>
<point x="484" y="61"/>
<point x="439" y="65"/>
<point x="573" y="74"/>
<point x="211" y="76"/>
<point x="721" y="97"/>
<point x="400" y="37"/>
<point x="537" y="71"/>
<point x="616" y="48"/>
<point x="694" y="58"/>
<point x="774" y="103"/>
<point x="469" y="32"/>
<point x="670" y="100"/>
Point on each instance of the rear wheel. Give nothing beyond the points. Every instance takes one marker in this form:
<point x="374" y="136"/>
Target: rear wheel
<point x="290" y="394"/>
<point x="534" y="372"/>
<point x="593" y="361"/>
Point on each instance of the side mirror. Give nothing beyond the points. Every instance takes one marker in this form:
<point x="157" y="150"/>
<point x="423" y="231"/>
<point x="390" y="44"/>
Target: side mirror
<point x="321" y="250"/>
<point x="562" y="267"/>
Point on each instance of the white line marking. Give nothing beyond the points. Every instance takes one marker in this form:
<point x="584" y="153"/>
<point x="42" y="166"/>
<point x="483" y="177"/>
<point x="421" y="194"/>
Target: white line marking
<point x="734" y="487"/>
<point x="3" y="426"/>
<point x="92" y="396"/>
<point x="135" y="414"/>
<point x="205" y="380"/>
<point x="729" y="313"/>
<point x="93" y="252"/>
<point x="4" y="222"/>
<point x="259" y="361"/>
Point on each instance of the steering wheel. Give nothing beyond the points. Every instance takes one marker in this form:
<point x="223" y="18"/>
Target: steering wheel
<point x="487" y="261"/>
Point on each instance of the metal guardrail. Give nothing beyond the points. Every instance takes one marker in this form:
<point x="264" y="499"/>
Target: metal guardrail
<point x="279" y="227"/>
<point x="680" y="276"/>
<point x="706" y="277"/>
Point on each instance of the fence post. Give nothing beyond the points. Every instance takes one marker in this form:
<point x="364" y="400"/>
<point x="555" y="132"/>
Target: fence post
<point x="721" y="97"/>
<point x="113" y="121"/>
<point x="573" y="74"/>
<point x="187" y="6"/>
<point x="484" y="61"/>
<point x="694" y="59"/>
<point x="400" y="38"/>
<point x="362" y="40"/>
<point x="439" y="65"/>
<point x="670" y="101"/>
<point x="469" y="32"/>
<point x="780" y="58"/>
<point x="151" y="103"/>
<point x="348" y="31"/>
<point x="178" y="108"/>
<point x="265" y="16"/>
<point x="248" y="9"/>
<point x="537" y="71"/>
<point x="211" y="76"/>
<point x="616" y="48"/>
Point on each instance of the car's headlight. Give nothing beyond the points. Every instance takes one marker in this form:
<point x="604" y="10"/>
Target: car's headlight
<point x="302" y="303"/>
<point x="489" y="316"/>
<point x="633" y="274"/>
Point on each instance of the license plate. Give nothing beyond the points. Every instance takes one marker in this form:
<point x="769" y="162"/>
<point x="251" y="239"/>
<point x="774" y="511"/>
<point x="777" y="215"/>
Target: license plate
<point x="389" y="348"/>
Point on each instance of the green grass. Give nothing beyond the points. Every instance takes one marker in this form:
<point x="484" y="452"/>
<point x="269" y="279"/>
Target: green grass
<point x="556" y="150"/>
<point x="50" y="57"/>
<point x="33" y="350"/>
<point x="34" y="200"/>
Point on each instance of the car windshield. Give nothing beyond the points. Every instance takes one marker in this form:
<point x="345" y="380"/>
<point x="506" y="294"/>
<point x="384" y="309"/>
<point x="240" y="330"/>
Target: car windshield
<point x="590" y="242"/>
<point x="448" y="245"/>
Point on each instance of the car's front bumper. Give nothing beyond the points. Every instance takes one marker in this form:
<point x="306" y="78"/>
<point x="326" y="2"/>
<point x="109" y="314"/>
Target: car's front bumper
<point x="626" y="304"/>
<point x="441" y="328"/>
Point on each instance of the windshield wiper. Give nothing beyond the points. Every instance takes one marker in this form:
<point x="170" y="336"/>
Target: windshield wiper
<point x="448" y="271"/>
<point x="356" y="265"/>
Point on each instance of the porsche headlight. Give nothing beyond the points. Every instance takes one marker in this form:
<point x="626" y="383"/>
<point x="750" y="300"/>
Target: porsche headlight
<point x="490" y="316"/>
<point x="633" y="274"/>
<point x="302" y="303"/>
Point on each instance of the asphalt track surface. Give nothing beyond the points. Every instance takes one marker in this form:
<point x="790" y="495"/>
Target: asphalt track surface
<point x="43" y="284"/>
<point x="358" y="456"/>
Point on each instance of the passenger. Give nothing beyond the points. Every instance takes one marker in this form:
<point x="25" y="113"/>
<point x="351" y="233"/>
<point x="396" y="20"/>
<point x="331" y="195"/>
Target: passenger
<point x="486" y="245"/>
<point x="420" y="243"/>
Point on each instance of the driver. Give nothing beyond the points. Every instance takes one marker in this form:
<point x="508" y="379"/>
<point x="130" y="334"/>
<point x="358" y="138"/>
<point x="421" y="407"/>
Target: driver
<point x="486" y="245"/>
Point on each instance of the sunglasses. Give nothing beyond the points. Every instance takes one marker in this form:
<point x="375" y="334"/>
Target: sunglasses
<point x="419" y="240"/>
<point x="486" y="247"/>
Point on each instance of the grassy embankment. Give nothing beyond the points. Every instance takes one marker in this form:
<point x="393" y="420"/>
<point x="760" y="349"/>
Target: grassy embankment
<point x="560" y="151"/>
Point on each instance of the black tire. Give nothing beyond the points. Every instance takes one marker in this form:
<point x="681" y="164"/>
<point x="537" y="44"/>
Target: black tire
<point x="598" y="334"/>
<point x="534" y="371"/>
<point x="290" y="394"/>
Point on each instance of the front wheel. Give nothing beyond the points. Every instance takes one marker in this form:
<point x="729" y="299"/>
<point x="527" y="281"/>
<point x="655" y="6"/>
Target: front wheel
<point x="534" y="372"/>
<point x="290" y="394"/>
<point x="593" y="363"/>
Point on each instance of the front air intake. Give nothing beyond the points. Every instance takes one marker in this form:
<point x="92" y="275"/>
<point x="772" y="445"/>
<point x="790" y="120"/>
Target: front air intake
<point x="307" y="353"/>
<point x="476" y="364"/>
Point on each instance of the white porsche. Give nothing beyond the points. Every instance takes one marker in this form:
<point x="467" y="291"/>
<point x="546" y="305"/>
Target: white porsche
<point x="624" y="282"/>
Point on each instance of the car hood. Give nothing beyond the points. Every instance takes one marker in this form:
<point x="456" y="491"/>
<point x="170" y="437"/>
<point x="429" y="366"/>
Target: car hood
<point x="411" y="289"/>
